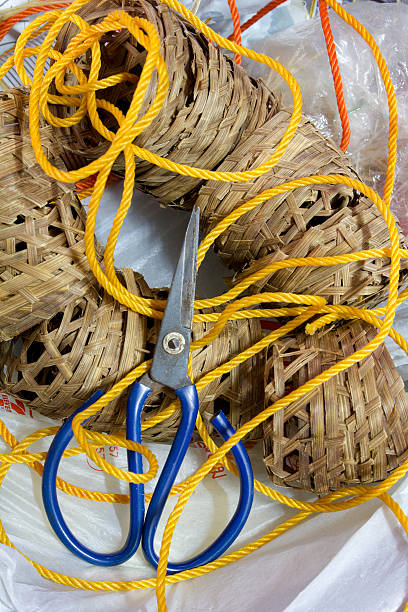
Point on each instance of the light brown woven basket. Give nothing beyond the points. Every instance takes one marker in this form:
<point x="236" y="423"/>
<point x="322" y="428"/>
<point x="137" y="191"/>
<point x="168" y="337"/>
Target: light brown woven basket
<point x="210" y="102"/>
<point x="353" y="429"/>
<point x="42" y="258"/>
<point x="89" y="345"/>
<point x="216" y="117"/>
<point x="95" y="341"/>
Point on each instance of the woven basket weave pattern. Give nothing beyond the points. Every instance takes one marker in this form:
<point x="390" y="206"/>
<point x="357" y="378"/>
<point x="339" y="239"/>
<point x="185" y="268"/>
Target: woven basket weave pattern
<point x="210" y="103"/>
<point x="310" y="221"/>
<point x="43" y="266"/>
<point x="215" y="117"/>
<point x="95" y="341"/>
<point x="352" y="429"/>
<point x="90" y="345"/>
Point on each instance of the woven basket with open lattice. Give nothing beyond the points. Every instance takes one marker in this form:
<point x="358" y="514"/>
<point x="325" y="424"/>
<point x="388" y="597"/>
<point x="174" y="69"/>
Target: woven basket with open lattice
<point x="217" y="117"/>
<point x="95" y="341"/>
<point x="353" y="429"/>
<point x="43" y="266"/>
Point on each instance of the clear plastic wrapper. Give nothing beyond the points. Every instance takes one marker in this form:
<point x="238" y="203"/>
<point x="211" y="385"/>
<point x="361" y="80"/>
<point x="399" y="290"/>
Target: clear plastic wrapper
<point x="284" y="16"/>
<point x="302" y="50"/>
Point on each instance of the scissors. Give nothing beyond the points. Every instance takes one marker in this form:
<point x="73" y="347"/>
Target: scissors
<point x="168" y="369"/>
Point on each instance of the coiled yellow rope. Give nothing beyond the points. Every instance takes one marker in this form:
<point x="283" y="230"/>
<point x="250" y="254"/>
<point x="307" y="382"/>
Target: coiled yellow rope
<point x="82" y="96"/>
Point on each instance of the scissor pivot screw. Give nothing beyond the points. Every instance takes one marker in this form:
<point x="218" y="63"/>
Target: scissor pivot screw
<point x="174" y="343"/>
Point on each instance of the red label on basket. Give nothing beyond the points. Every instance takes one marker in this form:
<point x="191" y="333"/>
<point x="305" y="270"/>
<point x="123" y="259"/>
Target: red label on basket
<point x="9" y="404"/>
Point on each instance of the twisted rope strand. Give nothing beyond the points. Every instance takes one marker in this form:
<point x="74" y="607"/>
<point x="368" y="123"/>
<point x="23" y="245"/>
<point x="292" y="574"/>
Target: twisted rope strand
<point x="335" y="69"/>
<point x="236" y="22"/>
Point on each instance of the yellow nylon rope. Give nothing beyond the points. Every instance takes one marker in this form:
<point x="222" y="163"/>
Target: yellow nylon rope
<point x="304" y="307"/>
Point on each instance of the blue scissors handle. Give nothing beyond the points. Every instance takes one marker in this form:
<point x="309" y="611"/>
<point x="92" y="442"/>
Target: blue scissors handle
<point x="169" y="368"/>
<point x="146" y="530"/>
<point x="52" y="507"/>
<point x="189" y="406"/>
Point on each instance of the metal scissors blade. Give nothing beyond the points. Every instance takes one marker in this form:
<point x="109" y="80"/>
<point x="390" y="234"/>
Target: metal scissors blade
<point x="170" y="360"/>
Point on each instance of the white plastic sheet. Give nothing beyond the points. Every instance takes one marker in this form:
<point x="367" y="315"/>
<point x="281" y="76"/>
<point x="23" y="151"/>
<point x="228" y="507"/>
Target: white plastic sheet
<point x="349" y="561"/>
<point x="355" y="560"/>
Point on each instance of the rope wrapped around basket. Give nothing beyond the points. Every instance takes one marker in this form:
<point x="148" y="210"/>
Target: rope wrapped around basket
<point x="87" y="340"/>
<point x="319" y="206"/>
<point x="92" y="344"/>
<point x="351" y="430"/>
<point x="216" y="116"/>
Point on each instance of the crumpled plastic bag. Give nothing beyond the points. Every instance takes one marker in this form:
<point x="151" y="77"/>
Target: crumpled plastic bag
<point x="354" y="560"/>
<point x="302" y="50"/>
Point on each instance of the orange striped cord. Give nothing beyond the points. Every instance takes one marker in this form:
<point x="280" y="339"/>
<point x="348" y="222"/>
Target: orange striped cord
<point x="236" y="22"/>
<point x="334" y="65"/>
<point x="7" y="24"/>
<point x="261" y="13"/>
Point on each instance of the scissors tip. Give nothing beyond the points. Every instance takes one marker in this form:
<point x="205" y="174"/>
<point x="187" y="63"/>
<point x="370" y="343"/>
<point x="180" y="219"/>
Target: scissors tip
<point x="194" y="222"/>
<point x="191" y="238"/>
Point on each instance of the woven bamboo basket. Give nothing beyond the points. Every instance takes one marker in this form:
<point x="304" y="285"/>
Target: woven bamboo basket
<point x="95" y="342"/>
<point x="216" y="117"/>
<point x="90" y="345"/>
<point x="351" y="430"/>
<point x="210" y="103"/>
<point x="42" y="258"/>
